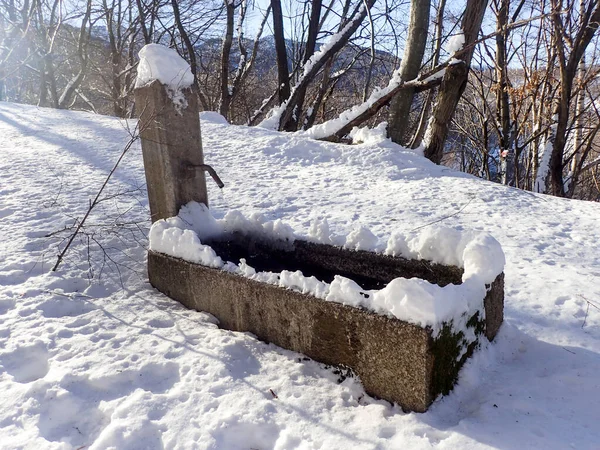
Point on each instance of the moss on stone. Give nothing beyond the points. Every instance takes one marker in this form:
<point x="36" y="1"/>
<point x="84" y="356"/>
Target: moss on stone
<point x="450" y="350"/>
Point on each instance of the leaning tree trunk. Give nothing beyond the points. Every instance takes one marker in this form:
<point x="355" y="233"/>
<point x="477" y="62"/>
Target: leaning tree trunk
<point x="453" y="84"/>
<point x="315" y="64"/>
<point x="409" y="69"/>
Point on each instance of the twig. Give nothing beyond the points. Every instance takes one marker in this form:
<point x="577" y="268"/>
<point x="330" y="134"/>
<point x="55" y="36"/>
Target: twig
<point x="589" y="303"/>
<point x="134" y="137"/>
<point x="586" y="314"/>
<point x="445" y="217"/>
<point x="74" y="295"/>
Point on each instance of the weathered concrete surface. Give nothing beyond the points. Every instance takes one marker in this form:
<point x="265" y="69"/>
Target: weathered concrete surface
<point x="494" y="307"/>
<point x="171" y="141"/>
<point x="395" y="360"/>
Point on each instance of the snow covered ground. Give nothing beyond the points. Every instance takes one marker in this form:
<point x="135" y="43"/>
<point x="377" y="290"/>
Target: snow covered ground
<point x="93" y="363"/>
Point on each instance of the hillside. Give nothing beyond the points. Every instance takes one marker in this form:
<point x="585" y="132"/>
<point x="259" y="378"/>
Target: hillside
<point x="92" y="357"/>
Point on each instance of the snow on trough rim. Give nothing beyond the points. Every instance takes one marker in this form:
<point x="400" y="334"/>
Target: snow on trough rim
<point x="412" y="300"/>
<point x="111" y="363"/>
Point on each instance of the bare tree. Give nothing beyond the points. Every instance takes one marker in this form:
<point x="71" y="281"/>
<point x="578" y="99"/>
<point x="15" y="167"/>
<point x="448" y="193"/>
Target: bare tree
<point x="571" y="48"/>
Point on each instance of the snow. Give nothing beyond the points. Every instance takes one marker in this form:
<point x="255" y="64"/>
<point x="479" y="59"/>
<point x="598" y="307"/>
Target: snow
<point x="366" y="135"/>
<point x="164" y="64"/>
<point x="478" y="253"/>
<point x="455" y="43"/>
<point x="361" y="239"/>
<point x="168" y="238"/>
<point x="112" y="362"/>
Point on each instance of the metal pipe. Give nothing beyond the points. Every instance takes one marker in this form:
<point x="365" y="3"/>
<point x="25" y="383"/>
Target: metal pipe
<point x="211" y="172"/>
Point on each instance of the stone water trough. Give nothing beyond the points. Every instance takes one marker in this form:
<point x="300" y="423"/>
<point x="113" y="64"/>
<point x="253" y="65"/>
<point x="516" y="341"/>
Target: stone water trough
<point x="396" y="360"/>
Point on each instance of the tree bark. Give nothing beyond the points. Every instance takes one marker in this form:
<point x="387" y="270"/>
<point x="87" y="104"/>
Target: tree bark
<point x="409" y="69"/>
<point x="453" y="84"/>
<point x="225" y="53"/>
<point x="283" y="76"/>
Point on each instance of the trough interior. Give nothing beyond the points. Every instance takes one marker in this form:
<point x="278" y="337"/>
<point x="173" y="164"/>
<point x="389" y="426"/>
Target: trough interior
<point x="369" y="270"/>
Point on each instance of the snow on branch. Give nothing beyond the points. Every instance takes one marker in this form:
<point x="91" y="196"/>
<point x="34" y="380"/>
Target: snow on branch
<point x="335" y="129"/>
<point x="279" y="115"/>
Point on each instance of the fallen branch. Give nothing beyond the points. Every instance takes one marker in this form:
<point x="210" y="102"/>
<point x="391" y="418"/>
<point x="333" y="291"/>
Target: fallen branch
<point x="444" y="217"/>
<point x="334" y="130"/>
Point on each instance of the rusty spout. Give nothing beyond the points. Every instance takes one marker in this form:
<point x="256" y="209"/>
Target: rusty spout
<point x="211" y="172"/>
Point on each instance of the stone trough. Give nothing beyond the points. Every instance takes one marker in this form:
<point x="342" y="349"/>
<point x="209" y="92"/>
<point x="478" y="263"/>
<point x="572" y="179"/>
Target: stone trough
<point x="396" y="360"/>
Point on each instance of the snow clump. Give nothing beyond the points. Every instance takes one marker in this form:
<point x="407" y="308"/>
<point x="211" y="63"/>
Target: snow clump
<point x="455" y="43"/>
<point x="479" y="254"/>
<point x="366" y="135"/>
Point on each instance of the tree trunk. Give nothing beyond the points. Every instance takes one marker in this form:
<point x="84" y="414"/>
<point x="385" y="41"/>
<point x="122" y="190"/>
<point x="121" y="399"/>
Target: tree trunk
<point x="85" y="30"/>
<point x="409" y="69"/>
<point x="502" y="100"/>
<point x="437" y="48"/>
<point x="453" y="84"/>
<point x="190" y="51"/>
<point x="578" y="132"/>
<point x="283" y="75"/>
<point x="225" y="53"/>
<point x="568" y="71"/>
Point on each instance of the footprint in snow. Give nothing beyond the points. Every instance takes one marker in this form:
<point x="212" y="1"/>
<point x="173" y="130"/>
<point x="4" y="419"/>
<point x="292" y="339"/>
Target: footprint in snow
<point x="161" y="323"/>
<point x="78" y="323"/>
<point x="152" y="377"/>
<point x="26" y="364"/>
<point x="61" y="307"/>
<point x="6" y="305"/>
<point x="6" y="212"/>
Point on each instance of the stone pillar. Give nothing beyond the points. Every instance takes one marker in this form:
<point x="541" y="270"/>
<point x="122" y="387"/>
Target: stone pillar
<point x="171" y="146"/>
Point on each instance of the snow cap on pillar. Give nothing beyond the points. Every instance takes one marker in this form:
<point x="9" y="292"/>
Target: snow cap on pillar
<point x="164" y="64"/>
